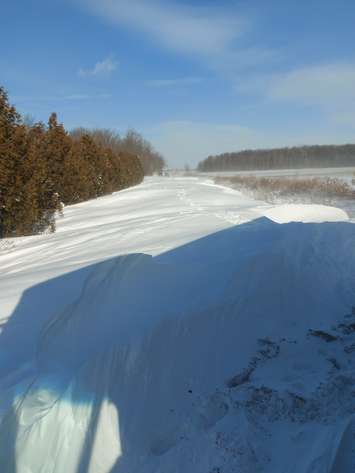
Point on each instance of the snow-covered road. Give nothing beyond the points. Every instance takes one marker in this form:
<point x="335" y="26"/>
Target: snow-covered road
<point x="158" y="215"/>
<point x="153" y="217"/>
<point x="173" y="328"/>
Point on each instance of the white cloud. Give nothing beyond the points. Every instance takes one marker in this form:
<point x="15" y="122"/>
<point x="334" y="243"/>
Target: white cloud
<point x="179" y="82"/>
<point x="329" y="87"/>
<point x="84" y="97"/>
<point x="211" y="32"/>
<point x="101" y="68"/>
<point x="180" y="28"/>
<point x="321" y="85"/>
<point x="314" y="85"/>
<point x="61" y="98"/>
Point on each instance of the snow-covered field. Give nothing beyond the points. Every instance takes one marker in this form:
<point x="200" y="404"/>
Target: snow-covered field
<point x="179" y="326"/>
<point x="344" y="173"/>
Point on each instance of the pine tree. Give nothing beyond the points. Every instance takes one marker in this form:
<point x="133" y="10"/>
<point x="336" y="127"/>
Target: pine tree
<point x="40" y="167"/>
<point x="57" y="148"/>
<point x="11" y="145"/>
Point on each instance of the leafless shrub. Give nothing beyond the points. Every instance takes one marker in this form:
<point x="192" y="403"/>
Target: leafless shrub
<point x="270" y="188"/>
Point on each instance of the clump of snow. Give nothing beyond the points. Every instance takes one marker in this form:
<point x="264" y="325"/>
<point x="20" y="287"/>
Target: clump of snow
<point x="200" y="357"/>
<point x="306" y="213"/>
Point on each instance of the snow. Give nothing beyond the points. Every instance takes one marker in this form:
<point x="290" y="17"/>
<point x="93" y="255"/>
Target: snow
<point x="305" y="213"/>
<point x="168" y="328"/>
<point x="346" y="173"/>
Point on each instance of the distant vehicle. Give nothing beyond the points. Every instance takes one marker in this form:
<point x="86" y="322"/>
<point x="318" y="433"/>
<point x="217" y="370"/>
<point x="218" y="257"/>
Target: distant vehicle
<point x="164" y="172"/>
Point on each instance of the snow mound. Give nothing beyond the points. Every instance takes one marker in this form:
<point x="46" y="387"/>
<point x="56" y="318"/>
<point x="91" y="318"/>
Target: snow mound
<point x="306" y="213"/>
<point x="231" y="353"/>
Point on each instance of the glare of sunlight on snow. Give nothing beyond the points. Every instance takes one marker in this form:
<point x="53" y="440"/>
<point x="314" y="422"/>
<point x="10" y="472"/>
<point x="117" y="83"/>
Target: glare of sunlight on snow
<point x="106" y="448"/>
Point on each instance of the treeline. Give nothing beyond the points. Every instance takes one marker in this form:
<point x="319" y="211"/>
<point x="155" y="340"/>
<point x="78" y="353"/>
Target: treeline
<point x="132" y="142"/>
<point x="281" y="158"/>
<point x="44" y="166"/>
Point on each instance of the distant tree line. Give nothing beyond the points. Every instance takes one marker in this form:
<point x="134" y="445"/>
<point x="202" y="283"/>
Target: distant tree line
<point x="281" y="158"/>
<point x="43" y="167"/>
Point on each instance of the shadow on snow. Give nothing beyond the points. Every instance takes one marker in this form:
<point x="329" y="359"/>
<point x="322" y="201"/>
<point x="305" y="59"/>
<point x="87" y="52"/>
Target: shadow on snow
<point x="79" y="356"/>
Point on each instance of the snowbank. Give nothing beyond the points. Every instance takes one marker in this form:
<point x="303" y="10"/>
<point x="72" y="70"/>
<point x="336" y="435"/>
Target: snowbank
<point x="209" y="357"/>
<point x="306" y="213"/>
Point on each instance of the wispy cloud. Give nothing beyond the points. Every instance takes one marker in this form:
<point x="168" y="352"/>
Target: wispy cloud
<point x="312" y="84"/>
<point x="178" y="82"/>
<point x="329" y="87"/>
<point x="85" y="97"/>
<point x="175" y="26"/>
<point x="318" y="84"/>
<point x="102" y="68"/>
<point x="209" y="32"/>
<point x="61" y="98"/>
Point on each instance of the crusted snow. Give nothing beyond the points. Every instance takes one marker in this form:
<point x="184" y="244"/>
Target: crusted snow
<point x="173" y="327"/>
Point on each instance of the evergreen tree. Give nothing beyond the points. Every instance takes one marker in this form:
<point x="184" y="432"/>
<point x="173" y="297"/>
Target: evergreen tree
<point x="41" y="167"/>
<point x="11" y="149"/>
<point x="58" y="144"/>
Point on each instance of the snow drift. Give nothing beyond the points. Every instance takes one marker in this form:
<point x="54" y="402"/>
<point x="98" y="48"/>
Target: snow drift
<point x="210" y="358"/>
<point x="310" y="213"/>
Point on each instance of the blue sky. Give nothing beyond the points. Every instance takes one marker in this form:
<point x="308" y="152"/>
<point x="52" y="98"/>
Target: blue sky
<point x="195" y="77"/>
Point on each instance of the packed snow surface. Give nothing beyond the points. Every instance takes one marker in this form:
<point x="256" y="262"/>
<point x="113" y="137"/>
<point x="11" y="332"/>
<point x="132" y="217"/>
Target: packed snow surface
<point x="178" y="327"/>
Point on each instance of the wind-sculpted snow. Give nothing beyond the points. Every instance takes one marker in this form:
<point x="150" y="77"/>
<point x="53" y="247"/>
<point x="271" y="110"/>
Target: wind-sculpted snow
<point x="207" y="358"/>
